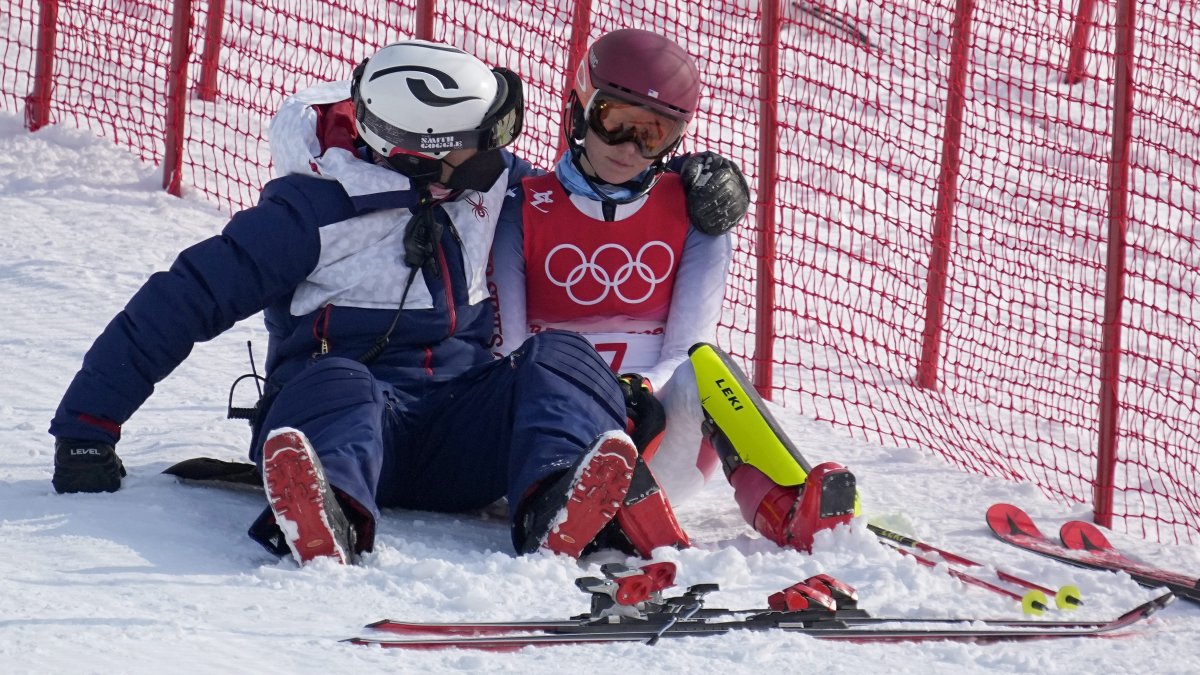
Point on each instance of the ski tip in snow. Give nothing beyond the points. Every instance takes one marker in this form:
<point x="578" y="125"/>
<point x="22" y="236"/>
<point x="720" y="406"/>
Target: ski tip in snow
<point x="1009" y="521"/>
<point x="1083" y="536"/>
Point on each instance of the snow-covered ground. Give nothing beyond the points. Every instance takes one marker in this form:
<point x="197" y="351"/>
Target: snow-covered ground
<point x="160" y="576"/>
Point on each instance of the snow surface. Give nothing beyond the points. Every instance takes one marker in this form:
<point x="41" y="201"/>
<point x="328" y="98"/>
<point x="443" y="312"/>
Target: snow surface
<point x="161" y="575"/>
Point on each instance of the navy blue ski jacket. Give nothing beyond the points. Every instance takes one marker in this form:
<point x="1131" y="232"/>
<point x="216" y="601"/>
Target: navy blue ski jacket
<point x="322" y="256"/>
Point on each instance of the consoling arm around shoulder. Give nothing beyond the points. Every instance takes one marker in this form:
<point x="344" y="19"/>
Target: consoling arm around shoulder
<point x="717" y="195"/>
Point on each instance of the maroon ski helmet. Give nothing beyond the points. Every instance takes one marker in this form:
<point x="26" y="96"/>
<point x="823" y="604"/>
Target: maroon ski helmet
<point x="641" y="67"/>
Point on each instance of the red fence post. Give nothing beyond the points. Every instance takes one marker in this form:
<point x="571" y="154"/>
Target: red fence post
<point x="1080" y="32"/>
<point x="581" y="29"/>
<point x="1114" y="285"/>
<point x="425" y="11"/>
<point x="943" y="215"/>
<point x="37" y="103"/>
<point x="768" y="148"/>
<point x="210" y="58"/>
<point x="176" y="120"/>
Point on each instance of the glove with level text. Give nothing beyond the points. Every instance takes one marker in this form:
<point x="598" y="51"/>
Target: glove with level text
<point x="86" y="466"/>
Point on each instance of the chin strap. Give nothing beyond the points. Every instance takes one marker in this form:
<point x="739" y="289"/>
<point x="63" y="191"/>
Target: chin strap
<point x="638" y="188"/>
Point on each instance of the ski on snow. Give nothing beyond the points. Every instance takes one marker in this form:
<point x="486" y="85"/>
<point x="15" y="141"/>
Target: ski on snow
<point x="1083" y="544"/>
<point x="508" y="637"/>
<point x="627" y="606"/>
<point x="762" y="616"/>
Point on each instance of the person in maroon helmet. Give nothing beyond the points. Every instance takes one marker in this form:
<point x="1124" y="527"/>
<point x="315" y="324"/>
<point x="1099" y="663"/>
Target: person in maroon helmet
<point x="612" y="246"/>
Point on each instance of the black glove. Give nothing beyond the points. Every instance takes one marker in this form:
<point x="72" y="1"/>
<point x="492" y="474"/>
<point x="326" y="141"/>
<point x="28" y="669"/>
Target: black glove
<point x="643" y="409"/>
<point x="717" y="194"/>
<point x="86" y="466"/>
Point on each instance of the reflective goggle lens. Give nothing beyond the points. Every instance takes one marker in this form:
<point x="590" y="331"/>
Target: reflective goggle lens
<point x="506" y="129"/>
<point x="504" y="125"/>
<point x="616" y="121"/>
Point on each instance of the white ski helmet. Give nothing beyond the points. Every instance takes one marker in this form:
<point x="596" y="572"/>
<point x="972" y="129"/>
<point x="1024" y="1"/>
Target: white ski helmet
<point x="425" y="98"/>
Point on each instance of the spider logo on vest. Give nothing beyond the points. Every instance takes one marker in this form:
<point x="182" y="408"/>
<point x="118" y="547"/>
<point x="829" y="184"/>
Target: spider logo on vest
<point x="611" y="280"/>
<point x="479" y="207"/>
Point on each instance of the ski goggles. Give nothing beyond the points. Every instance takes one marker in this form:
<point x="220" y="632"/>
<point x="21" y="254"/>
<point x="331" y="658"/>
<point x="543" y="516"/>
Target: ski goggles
<point x="618" y="121"/>
<point x="499" y="128"/>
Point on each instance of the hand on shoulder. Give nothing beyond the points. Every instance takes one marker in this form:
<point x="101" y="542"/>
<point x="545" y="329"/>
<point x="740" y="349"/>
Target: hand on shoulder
<point x="717" y="194"/>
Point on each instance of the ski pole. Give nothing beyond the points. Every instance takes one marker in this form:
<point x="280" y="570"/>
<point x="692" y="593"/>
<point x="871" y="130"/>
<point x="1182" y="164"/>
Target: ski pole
<point x="1032" y="602"/>
<point x="1067" y="597"/>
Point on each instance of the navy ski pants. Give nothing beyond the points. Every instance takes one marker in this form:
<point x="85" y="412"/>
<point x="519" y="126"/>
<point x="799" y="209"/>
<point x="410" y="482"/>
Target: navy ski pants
<point x="494" y="431"/>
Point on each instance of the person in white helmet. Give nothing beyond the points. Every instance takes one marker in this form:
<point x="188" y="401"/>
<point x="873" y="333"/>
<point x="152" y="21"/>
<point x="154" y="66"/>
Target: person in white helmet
<point x="310" y="133"/>
<point x="367" y="256"/>
<point x="631" y="249"/>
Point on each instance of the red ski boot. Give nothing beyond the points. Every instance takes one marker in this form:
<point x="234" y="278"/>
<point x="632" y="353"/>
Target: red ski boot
<point x="312" y="521"/>
<point x="790" y="516"/>
<point x="564" y="516"/>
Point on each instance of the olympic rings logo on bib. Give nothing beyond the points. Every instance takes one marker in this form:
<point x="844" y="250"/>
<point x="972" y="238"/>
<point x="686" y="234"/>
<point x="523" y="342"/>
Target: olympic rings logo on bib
<point x="611" y="268"/>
